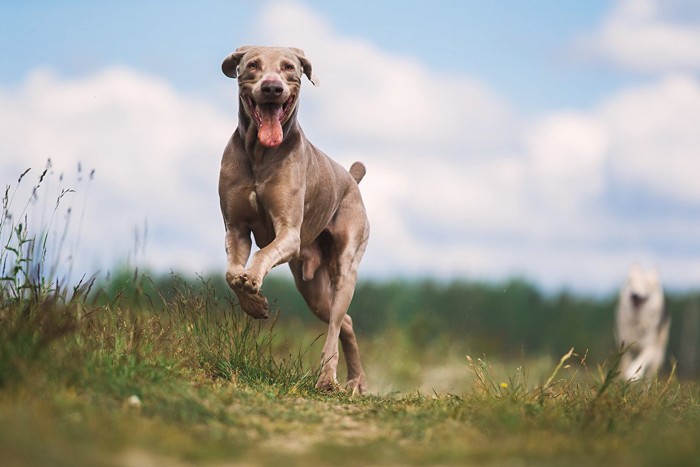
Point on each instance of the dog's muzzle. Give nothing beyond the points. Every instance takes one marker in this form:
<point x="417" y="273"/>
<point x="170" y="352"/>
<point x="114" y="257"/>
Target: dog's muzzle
<point x="637" y="299"/>
<point x="268" y="113"/>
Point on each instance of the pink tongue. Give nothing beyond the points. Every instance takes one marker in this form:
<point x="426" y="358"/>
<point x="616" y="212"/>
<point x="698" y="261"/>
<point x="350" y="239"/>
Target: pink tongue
<point x="270" y="131"/>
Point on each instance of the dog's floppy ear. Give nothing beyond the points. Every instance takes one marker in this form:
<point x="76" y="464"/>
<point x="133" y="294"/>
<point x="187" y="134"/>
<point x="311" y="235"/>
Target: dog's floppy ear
<point x="230" y="64"/>
<point x="306" y="66"/>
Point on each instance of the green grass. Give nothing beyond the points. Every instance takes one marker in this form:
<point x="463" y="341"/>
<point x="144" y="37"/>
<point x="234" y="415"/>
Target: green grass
<point x="188" y="416"/>
<point x="147" y="376"/>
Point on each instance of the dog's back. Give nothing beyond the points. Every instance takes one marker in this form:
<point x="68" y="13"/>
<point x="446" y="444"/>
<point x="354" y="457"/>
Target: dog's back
<point x="642" y="325"/>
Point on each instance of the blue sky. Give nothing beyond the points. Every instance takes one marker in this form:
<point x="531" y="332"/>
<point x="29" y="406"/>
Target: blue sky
<point x="546" y="139"/>
<point x="512" y="44"/>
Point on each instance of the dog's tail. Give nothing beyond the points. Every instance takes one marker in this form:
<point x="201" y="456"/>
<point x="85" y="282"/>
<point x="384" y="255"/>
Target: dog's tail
<point x="358" y="171"/>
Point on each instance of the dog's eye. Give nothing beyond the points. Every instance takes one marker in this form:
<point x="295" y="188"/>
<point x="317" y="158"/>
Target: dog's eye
<point x="288" y="67"/>
<point x="253" y="66"/>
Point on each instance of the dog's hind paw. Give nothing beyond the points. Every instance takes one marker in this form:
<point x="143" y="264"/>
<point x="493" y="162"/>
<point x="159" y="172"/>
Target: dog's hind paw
<point x="357" y="385"/>
<point x="328" y="384"/>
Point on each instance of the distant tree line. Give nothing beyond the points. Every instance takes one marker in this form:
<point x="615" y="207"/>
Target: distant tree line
<point x="505" y="320"/>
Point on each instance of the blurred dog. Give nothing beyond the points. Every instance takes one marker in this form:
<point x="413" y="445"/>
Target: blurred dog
<point x="642" y="325"/>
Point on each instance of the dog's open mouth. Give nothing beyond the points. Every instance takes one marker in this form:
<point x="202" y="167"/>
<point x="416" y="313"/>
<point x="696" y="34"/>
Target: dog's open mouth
<point x="269" y="118"/>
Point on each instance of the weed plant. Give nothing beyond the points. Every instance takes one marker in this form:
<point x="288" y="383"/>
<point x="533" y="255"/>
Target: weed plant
<point x="35" y="309"/>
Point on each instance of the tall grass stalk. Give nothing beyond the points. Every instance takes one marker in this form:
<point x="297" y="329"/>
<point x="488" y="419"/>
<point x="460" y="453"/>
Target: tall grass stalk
<point x="232" y="346"/>
<point x="35" y="308"/>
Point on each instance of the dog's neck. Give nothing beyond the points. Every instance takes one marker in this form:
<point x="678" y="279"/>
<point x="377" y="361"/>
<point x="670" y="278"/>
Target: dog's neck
<point x="248" y="133"/>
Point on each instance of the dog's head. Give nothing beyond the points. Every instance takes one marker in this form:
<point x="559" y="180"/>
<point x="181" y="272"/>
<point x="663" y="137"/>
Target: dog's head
<point x="269" y="79"/>
<point x="641" y="285"/>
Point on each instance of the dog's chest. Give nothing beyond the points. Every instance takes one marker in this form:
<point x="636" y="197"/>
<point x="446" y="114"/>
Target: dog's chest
<point x="253" y="202"/>
<point x="257" y="195"/>
<point x="259" y="219"/>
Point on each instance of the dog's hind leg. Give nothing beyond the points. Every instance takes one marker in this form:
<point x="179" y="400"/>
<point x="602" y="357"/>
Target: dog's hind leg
<point x="357" y="381"/>
<point x="319" y="296"/>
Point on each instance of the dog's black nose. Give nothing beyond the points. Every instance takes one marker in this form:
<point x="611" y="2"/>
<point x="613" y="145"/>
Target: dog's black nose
<point x="271" y="88"/>
<point x="637" y="299"/>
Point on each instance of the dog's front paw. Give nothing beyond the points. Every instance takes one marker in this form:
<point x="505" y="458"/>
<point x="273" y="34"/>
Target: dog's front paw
<point x="255" y="305"/>
<point x="244" y="281"/>
<point x="231" y="279"/>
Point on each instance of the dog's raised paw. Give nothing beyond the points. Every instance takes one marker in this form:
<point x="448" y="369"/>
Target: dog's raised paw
<point x="251" y="286"/>
<point x="244" y="281"/>
<point x="255" y="305"/>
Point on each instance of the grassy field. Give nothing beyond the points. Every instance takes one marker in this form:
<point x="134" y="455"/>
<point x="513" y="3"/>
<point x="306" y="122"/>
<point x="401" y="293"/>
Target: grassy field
<point x="182" y="377"/>
<point x="192" y="381"/>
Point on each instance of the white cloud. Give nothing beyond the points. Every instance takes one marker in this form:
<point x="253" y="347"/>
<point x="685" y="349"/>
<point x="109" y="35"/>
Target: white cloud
<point x="649" y="36"/>
<point x="370" y="95"/>
<point x="439" y="148"/>
<point x="155" y="152"/>
<point x="567" y="157"/>
<point x="656" y="140"/>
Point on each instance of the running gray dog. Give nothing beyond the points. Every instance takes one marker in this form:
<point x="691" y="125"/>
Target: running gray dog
<point x="302" y="207"/>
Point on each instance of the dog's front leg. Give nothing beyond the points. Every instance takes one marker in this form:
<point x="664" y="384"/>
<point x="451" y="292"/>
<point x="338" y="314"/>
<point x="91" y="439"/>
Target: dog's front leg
<point x="238" y="246"/>
<point x="285" y="208"/>
<point x="282" y="249"/>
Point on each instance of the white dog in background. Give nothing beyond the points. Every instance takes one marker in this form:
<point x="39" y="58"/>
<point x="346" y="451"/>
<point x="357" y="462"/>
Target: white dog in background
<point x="642" y="325"/>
